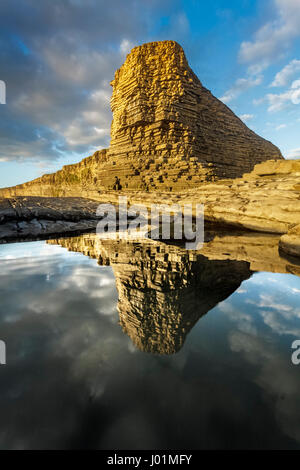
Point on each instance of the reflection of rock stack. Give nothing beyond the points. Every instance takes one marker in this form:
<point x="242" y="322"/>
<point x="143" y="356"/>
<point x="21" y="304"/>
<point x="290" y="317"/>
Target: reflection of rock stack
<point x="163" y="290"/>
<point x="161" y="301"/>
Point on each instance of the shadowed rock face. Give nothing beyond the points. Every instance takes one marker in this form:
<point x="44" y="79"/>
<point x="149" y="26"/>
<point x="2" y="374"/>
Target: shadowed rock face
<point x="168" y="133"/>
<point x="163" y="290"/>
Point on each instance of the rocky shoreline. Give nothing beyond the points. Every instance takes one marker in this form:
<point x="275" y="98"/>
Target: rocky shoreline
<point x="172" y="142"/>
<point x="245" y="204"/>
<point x="33" y="218"/>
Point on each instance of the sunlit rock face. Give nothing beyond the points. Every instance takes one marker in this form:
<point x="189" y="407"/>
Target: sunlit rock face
<point x="163" y="289"/>
<point x="168" y="133"/>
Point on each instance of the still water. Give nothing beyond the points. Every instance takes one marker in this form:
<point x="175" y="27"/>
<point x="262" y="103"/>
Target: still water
<point x="150" y="348"/>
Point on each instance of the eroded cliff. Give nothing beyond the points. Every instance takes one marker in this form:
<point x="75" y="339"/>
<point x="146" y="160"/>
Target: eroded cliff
<point x="168" y="133"/>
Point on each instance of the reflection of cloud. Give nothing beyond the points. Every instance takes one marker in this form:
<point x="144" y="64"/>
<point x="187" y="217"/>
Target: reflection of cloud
<point x="278" y="324"/>
<point x="281" y="318"/>
<point x="73" y="380"/>
<point x="241" y="291"/>
<point x="243" y="320"/>
<point x="27" y="249"/>
<point x="275" y="376"/>
<point x="64" y="272"/>
<point x="269" y="300"/>
<point x="53" y="331"/>
<point x="266" y="300"/>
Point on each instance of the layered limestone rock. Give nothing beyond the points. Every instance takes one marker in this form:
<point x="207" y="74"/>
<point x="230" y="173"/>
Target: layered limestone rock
<point x="168" y="133"/>
<point x="23" y="218"/>
<point x="290" y="243"/>
<point x="173" y="142"/>
<point x="165" y="289"/>
<point x="265" y="200"/>
<point x="77" y="180"/>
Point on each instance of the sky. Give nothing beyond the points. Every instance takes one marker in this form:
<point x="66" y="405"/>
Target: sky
<point x="57" y="58"/>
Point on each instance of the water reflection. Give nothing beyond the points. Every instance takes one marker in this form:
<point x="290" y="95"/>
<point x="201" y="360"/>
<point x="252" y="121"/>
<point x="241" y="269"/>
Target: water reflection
<point x="164" y="289"/>
<point x="73" y="379"/>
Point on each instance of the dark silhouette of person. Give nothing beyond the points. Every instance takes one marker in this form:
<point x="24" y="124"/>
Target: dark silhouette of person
<point x="117" y="185"/>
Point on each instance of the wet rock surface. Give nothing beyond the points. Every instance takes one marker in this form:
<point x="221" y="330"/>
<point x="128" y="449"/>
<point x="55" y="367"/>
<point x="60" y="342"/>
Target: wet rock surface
<point x="38" y="217"/>
<point x="290" y="242"/>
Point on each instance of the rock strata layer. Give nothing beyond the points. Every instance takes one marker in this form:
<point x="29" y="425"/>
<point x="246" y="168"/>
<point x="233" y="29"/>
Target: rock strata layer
<point x="24" y="218"/>
<point x="168" y="133"/>
<point x="290" y="243"/>
<point x="265" y="200"/>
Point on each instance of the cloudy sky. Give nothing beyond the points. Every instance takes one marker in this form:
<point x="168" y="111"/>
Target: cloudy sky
<point x="57" y="59"/>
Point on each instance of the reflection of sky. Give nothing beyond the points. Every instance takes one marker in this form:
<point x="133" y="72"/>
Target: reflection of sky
<point x="73" y="379"/>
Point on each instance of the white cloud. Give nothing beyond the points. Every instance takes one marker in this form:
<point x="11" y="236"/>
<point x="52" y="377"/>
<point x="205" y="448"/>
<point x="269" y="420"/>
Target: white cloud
<point x="246" y="117"/>
<point x="241" y="85"/>
<point x="274" y="36"/>
<point x="281" y="126"/>
<point x="80" y="67"/>
<point x="277" y="102"/>
<point x="293" y="153"/>
<point x="295" y="84"/>
<point x="283" y="76"/>
<point x="258" y="101"/>
<point x="78" y="133"/>
<point x="101" y="96"/>
<point x="125" y="47"/>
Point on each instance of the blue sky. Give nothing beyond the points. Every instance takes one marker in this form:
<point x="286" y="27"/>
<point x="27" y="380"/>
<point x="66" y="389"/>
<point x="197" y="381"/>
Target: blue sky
<point x="58" y="57"/>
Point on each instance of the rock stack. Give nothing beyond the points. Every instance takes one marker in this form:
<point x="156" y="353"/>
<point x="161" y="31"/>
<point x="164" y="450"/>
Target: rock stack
<point x="168" y="133"/>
